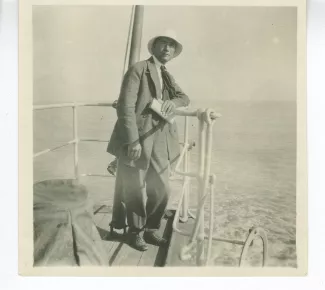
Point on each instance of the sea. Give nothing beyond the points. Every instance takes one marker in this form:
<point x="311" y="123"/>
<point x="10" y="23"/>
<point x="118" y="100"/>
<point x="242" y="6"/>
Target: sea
<point x="253" y="157"/>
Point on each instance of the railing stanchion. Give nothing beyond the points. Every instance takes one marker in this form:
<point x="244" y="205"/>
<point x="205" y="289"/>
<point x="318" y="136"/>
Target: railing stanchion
<point x="184" y="216"/>
<point x="211" y="221"/>
<point x="208" y="179"/>
<point x="76" y="143"/>
<point x="200" y="237"/>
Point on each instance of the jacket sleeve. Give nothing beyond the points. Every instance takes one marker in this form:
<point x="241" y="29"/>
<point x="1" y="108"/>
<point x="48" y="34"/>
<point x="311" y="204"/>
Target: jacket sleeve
<point x="181" y="99"/>
<point x="126" y="105"/>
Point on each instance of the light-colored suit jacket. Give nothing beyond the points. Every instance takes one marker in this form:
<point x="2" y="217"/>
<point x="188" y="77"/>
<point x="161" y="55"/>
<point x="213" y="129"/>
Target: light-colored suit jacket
<point x="136" y="121"/>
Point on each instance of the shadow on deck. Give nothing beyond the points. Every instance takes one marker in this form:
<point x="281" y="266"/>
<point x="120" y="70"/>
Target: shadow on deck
<point x="120" y="253"/>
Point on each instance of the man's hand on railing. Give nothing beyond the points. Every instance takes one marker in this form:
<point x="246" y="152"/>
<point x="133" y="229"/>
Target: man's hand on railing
<point x="214" y="115"/>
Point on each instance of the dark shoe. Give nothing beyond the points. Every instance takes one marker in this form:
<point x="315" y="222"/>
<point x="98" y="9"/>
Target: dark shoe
<point x="153" y="239"/>
<point x="137" y="242"/>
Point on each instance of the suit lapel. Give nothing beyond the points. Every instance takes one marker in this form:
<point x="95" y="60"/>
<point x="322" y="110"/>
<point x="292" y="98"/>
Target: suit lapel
<point x="154" y="76"/>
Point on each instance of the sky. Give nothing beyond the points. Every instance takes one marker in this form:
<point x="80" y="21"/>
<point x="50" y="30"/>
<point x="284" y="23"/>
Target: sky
<point x="229" y="53"/>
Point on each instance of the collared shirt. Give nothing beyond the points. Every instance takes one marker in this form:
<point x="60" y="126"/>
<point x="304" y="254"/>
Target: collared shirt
<point x="158" y="64"/>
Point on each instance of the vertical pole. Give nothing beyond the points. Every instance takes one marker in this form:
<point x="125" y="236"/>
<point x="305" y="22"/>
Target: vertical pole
<point x="134" y="56"/>
<point x="211" y="222"/>
<point x="186" y="179"/>
<point x="208" y="178"/>
<point x="128" y="43"/>
<point x="200" y="237"/>
<point x="76" y="142"/>
<point x="136" y="35"/>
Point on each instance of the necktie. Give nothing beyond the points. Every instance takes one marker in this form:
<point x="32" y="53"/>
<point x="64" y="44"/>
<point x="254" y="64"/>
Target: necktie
<point x="167" y="83"/>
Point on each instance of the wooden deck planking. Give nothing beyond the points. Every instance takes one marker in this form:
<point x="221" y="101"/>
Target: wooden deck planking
<point x="119" y="252"/>
<point x="127" y="256"/>
<point x="102" y="222"/>
<point x="154" y="256"/>
<point x="115" y="244"/>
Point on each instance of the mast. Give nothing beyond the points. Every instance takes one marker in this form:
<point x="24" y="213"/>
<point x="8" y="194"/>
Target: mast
<point x="119" y="214"/>
<point x="136" y="35"/>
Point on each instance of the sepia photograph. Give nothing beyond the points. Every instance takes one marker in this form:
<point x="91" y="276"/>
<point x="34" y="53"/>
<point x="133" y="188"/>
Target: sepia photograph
<point x="166" y="136"/>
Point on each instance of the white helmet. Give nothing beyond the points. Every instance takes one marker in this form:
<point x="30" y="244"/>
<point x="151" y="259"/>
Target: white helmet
<point x="169" y="34"/>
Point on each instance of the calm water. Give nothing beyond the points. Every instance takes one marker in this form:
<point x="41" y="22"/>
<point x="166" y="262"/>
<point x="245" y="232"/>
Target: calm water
<point x="254" y="158"/>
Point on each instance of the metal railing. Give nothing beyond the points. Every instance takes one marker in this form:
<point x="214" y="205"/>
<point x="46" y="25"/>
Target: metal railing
<point x="76" y="140"/>
<point x="203" y="175"/>
<point x="206" y="181"/>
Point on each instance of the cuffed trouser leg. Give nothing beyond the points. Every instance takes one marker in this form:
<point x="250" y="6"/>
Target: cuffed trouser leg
<point x="134" y="196"/>
<point x="157" y="181"/>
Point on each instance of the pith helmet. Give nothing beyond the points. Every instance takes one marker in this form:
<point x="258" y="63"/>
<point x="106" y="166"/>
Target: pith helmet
<point x="169" y="34"/>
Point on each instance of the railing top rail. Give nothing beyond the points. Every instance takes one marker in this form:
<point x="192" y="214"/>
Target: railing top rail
<point x="66" y="105"/>
<point x="179" y="112"/>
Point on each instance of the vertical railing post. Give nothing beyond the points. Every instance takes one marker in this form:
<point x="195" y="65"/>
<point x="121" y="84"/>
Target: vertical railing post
<point x="208" y="179"/>
<point x="212" y="181"/>
<point x="200" y="194"/>
<point x="76" y="142"/>
<point x="184" y="215"/>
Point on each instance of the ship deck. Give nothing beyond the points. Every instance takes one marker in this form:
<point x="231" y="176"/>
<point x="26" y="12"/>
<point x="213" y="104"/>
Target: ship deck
<point x="121" y="254"/>
<point x="118" y="250"/>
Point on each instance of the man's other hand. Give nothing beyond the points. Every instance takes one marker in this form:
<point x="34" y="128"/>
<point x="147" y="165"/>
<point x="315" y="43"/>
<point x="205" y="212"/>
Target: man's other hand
<point x="134" y="151"/>
<point x="168" y="107"/>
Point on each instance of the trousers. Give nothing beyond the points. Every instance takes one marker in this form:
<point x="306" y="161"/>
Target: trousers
<point x="146" y="192"/>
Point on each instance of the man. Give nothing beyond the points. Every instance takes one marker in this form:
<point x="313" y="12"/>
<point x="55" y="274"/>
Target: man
<point x="144" y="143"/>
